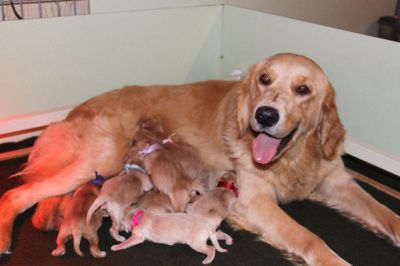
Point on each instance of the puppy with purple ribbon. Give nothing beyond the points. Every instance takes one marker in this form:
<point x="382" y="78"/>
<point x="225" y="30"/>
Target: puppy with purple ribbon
<point x="174" y="168"/>
<point x="74" y="223"/>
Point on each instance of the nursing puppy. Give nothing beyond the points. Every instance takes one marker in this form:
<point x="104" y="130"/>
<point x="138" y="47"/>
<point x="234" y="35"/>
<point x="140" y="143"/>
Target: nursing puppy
<point x="172" y="228"/>
<point x="156" y="202"/>
<point x="215" y="205"/>
<point x="49" y="213"/>
<point x="174" y="168"/>
<point x="74" y="222"/>
<point x="117" y="194"/>
<point x="153" y="201"/>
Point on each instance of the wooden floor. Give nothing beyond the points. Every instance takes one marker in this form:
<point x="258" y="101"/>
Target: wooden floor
<point x="375" y="184"/>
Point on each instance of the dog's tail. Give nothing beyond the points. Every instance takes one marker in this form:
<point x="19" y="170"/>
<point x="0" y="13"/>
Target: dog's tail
<point x="95" y="205"/>
<point x="77" y="236"/>
<point x="214" y="240"/>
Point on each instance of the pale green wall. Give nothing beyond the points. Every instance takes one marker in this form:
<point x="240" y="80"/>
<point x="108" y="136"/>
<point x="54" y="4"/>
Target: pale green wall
<point x="50" y="63"/>
<point x="359" y="16"/>
<point x="365" y="71"/>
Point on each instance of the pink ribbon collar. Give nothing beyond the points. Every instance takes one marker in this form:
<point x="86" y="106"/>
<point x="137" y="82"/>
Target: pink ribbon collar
<point x="136" y="218"/>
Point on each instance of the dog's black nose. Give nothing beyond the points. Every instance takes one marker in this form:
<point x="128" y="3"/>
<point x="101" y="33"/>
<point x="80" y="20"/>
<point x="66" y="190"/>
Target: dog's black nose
<point x="267" y="116"/>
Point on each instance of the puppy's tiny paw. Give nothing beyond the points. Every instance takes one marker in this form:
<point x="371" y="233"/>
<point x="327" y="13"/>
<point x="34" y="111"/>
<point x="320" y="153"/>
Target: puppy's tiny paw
<point x="118" y="237"/>
<point x="58" y="252"/>
<point x="101" y="254"/>
<point x="229" y="242"/>
<point x="222" y="250"/>
<point x="115" y="248"/>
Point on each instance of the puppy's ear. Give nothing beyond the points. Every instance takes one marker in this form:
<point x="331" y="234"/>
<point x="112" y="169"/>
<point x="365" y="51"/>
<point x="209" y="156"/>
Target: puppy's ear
<point x="244" y="101"/>
<point x="331" y="129"/>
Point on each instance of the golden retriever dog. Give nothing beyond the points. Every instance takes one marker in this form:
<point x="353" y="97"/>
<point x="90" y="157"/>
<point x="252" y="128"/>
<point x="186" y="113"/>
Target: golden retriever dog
<point x="278" y="129"/>
<point x="174" y="168"/>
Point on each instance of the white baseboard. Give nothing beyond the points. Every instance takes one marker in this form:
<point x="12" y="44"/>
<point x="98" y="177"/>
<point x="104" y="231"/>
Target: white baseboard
<point x="20" y="127"/>
<point x="373" y="155"/>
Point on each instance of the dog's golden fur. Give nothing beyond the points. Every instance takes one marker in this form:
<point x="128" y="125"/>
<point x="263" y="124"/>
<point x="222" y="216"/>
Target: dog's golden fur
<point x="218" y="119"/>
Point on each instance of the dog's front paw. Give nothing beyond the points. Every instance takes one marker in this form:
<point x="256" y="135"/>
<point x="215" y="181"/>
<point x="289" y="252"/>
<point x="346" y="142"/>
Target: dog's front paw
<point x="396" y="232"/>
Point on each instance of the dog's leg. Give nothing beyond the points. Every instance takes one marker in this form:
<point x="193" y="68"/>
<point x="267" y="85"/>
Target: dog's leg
<point x="341" y="192"/>
<point x="205" y="249"/>
<point x="135" y="239"/>
<point x="117" y="216"/>
<point x="223" y="236"/>
<point x="198" y="242"/>
<point x="259" y="213"/>
<point x="17" y="200"/>
<point x="93" y="240"/>
<point x="62" y="237"/>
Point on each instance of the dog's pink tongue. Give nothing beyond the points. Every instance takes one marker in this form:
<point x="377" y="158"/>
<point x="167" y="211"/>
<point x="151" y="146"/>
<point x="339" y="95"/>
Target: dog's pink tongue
<point x="264" y="148"/>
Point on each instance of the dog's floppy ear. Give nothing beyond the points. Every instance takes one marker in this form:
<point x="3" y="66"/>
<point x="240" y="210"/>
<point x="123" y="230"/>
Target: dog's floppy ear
<point x="331" y="129"/>
<point x="244" y="101"/>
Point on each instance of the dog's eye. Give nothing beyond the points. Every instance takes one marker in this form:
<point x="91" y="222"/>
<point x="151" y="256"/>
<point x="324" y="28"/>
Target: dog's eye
<point x="265" y="80"/>
<point x="302" y="90"/>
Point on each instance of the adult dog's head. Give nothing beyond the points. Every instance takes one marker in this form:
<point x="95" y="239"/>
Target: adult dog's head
<point x="283" y="100"/>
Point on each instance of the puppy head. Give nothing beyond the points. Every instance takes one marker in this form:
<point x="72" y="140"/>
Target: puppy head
<point x="147" y="131"/>
<point x="182" y="196"/>
<point x="281" y="100"/>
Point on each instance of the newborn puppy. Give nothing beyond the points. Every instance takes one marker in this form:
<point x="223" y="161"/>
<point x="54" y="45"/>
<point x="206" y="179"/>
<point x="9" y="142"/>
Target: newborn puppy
<point x="74" y="222"/>
<point x="214" y="206"/>
<point x="153" y="201"/>
<point x="172" y="228"/>
<point x="156" y="202"/>
<point x="175" y="169"/>
<point x="49" y="213"/>
<point x="118" y="193"/>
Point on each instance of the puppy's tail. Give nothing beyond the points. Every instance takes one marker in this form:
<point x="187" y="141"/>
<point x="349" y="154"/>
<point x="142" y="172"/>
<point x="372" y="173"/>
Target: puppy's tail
<point x="96" y="204"/>
<point x="214" y="240"/>
<point x="77" y="236"/>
